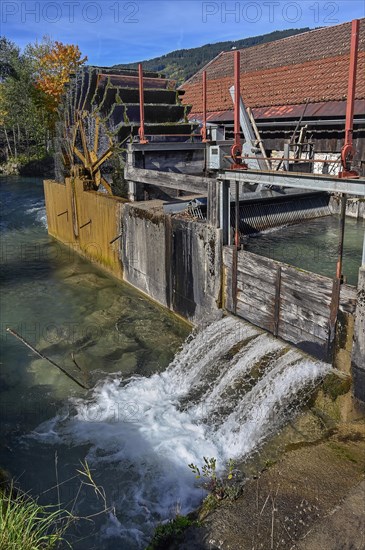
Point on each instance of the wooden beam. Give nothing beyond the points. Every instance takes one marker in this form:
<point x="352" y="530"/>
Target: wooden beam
<point x="183" y="182"/>
<point x="166" y="146"/>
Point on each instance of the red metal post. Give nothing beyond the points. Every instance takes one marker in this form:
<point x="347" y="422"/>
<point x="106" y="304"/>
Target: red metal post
<point x="236" y="149"/>
<point x="204" y="128"/>
<point x="142" y="137"/>
<point x="348" y="152"/>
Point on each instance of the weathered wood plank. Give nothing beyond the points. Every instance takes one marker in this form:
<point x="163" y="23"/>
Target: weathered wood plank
<point x="256" y="302"/>
<point x="255" y="295"/>
<point x="348" y="297"/>
<point x="258" y="266"/>
<point x="255" y="315"/>
<point x="304" y="302"/>
<point x="305" y="313"/>
<point x="306" y="294"/>
<point x="213" y="206"/>
<point x="311" y="282"/>
<point x="303" y="325"/>
<point x="296" y="336"/>
<point x="227" y="255"/>
<point x="166" y="146"/>
<point x="248" y="282"/>
<point x="185" y="182"/>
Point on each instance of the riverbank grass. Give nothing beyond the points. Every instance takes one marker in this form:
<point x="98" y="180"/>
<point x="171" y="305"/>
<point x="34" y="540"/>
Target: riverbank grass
<point x="26" y="525"/>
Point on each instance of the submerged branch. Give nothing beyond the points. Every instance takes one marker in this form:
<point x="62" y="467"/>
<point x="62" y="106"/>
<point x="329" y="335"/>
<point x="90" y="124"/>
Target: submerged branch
<point x="34" y="350"/>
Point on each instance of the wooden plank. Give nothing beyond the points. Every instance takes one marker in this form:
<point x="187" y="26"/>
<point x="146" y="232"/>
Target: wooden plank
<point x="277" y="300"/>
<point x="306" y="314"/>
<point x="308" y="291"/>
<point x="301" y="300"/>
<point x="257" y="297"/>
<point x="256" y="303"/>
<point x="348" y="298"/>
<point x="255" y="315"/>
<point x="245" y="257"/>
<point x="184" y="182"/>
<point x="258" y="272"/>
<point x="227" y="256"/>
<point x="309" y="326"/>
<point x="311" y="282"/>
<point x="248" y="282"/>
<point x="167" y="146"/>
<point x="213" y="206"/>
<point x="308" y="342"/>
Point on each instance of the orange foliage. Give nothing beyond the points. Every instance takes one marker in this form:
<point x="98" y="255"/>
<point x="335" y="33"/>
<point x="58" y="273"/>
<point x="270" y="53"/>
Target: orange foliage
<point x="55" y="68"/>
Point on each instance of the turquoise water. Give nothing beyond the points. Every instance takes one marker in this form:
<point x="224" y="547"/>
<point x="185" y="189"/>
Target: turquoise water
<point x="313" y="245"/>
<point x="147" y="418"/>
<point x="62" y="304"/>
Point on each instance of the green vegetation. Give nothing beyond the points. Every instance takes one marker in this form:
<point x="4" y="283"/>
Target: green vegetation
<point x="31" y="85"/>
<point x="169" y="532"/>
<point x="26" y="525"/>
<point x="182" y="64"/>
<point x="333" y="385"/>
<point x="228" y="486"/>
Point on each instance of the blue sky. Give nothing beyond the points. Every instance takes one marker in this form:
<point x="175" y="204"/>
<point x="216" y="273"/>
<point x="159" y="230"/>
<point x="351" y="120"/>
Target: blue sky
<point x="112" y="31"/>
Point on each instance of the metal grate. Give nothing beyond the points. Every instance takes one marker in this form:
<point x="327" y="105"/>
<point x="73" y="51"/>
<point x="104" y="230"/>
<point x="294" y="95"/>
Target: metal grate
<point x="256" y="216"/>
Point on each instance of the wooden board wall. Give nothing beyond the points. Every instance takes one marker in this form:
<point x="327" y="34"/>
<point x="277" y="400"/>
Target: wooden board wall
<point x="291" y="303"/>
<point x="92" y="240"/>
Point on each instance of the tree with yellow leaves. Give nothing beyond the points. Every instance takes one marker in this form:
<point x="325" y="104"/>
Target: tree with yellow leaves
<point x="55" y="67"/>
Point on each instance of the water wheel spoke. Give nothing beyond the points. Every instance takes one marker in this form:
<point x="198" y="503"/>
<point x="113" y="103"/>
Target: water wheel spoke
<point x="96" y="137"/>
<point x="106" y="185"/>
<point x="80" y="156"/>
<point x="84" y="144"/>
<point x="102" y="159"/>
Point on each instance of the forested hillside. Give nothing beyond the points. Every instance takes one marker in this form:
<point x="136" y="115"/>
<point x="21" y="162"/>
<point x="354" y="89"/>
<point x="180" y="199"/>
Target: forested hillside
<point x="182" y="64"/>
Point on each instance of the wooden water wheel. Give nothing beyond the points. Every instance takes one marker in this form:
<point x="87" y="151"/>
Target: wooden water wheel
<point x="101" y="113"/>
<point x="86" y="148"/>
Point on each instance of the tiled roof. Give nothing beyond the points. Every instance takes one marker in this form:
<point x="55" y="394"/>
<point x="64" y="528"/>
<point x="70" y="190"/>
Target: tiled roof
<point x="311" y="65"/>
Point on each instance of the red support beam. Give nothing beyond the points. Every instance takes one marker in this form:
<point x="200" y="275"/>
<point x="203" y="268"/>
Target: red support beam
<point x="204" y="128"/>
<point x="236" y="149"/>
<point x="348" y="152"/>
<point x="142" y="137"/>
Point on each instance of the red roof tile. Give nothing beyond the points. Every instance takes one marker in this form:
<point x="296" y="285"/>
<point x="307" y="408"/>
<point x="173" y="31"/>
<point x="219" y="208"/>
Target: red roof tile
<point x="312" y="65"/>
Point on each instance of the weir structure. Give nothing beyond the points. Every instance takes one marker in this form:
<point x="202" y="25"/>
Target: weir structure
<point x="134" y="194"/>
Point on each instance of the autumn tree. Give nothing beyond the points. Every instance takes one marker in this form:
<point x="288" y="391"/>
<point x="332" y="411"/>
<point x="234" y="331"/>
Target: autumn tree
<point x="31" y="86"/>
<point x="54" y="69"/>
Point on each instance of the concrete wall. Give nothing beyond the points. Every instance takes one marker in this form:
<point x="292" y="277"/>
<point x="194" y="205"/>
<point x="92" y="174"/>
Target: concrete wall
<point x="174" y="261"/>
<point x="358" y="351"/>
<point x="355" y="208"/>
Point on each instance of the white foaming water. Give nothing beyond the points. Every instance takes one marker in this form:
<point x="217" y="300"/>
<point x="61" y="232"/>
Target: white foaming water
<point x="40" y="214"/>
<point x="149" y="429"/>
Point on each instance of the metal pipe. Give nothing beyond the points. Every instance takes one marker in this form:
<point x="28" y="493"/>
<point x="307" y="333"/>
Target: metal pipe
<point x="142" y="137"/>
<point x="310" y="123"/>
<point x="352" y="81"/>
<point x="236" y="149"/>
<point x="342" y="236"/>
<point x="348" y="152"/>
<point x="287" y="158"/>
<point x="237" y="216"/>
<point x="204" y="129"/>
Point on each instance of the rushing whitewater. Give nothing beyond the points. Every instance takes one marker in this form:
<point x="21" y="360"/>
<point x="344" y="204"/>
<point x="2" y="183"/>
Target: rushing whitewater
<point x="228" y="389"/>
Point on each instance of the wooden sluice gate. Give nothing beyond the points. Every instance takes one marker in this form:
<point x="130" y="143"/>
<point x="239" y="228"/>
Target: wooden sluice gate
<point x="293" y="304"/>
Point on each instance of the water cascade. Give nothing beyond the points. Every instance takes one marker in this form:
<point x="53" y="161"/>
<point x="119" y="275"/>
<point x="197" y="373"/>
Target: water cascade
<point x="228" y="389"/>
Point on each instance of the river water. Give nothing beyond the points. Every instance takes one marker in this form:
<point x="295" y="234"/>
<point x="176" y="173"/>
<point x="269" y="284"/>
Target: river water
<point x="159" y="401"/>
<point x="313" y="245"/>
